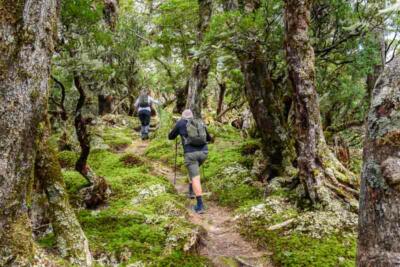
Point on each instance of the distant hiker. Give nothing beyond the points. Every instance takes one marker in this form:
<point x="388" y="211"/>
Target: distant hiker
<point x="194" y="137"/>
<point x="143" y="105"/>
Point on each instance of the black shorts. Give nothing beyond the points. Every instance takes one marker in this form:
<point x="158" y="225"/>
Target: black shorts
<point x="144" y="117"/>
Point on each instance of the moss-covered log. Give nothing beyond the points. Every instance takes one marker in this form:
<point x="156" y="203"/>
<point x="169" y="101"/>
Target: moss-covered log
<point x="323" y="176"/>
<point x="71" y="241"/>
<point x="26" y="45"/>
<point x="379" y="216"/>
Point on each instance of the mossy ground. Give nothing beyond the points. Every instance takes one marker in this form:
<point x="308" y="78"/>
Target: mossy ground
<point x="228" y="177"/>
<point x="144" y="220"/>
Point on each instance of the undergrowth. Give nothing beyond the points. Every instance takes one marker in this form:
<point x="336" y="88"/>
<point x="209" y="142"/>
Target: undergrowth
<point x="144" y="221"/>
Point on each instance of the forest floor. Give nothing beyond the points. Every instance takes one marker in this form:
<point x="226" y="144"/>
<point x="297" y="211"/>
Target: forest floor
<point x="149" y="222"/>
<point x="222" y="242"/>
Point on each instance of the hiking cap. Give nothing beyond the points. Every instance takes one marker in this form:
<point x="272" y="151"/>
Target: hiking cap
<point x="187" y="114"/>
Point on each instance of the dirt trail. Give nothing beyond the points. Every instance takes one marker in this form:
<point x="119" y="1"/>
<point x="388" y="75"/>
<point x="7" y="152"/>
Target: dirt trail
<point x="223" y="244"/>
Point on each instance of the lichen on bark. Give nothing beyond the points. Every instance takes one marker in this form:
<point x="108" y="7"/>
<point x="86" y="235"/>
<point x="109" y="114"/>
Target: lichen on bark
<point x="378" y="242"/>
<point x="26" y="32"/>
<point x="71" y="241"/>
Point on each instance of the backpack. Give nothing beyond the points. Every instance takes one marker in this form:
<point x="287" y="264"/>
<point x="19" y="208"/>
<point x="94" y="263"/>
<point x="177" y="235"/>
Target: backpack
<point x="144" y="101"/>
<point x="197" y="134"/>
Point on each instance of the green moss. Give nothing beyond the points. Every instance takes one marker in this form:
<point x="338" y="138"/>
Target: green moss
<point x="74" y="181"/>
<point x="302" y="250"/>
<point x="67" y="159"/>
<point x="48" y="241"/>
<point x="117" y="137"/>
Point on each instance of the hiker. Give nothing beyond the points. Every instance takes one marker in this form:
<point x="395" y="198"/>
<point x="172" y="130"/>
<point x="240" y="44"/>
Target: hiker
<point x="143" y="105"/>
<point x="194" y="137"/>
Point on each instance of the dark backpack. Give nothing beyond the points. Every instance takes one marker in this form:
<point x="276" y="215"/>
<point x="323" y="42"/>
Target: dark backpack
<point x="197" y="134"/>
<point x="144" y="101"/>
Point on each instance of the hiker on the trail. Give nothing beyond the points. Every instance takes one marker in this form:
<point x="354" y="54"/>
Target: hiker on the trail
<point x="194" y="136"/>
<point x="143" y="105"/>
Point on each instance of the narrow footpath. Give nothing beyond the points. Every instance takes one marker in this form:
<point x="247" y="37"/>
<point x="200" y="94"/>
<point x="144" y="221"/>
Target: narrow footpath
<point x="223" y="244"/>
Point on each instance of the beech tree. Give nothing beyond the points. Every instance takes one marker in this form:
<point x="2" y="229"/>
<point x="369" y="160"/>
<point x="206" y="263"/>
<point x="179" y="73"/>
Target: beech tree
<point x="378" y="241"/>
<point x="322" y="175"/>
<point x="29" y="29"/>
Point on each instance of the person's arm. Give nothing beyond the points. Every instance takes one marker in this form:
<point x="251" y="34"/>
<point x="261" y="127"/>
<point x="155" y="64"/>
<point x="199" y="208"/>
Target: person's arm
<point x="174" y="133"/>
<point x="152" y="100"/>
<point x="136" y="103"/>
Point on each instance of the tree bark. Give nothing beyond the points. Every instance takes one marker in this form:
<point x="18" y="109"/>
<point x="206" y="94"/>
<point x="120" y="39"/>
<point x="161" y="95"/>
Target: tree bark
<point x="267" y="111"/>
<point x="98" y="191"/>
<point x="27" y="29"/>
<point x="264" y="102"/>
<point x="105" y="104"/>
<point x="111" y="13"/>
<point x="222" y="91"/>
<point x="379" y="216"/>
<point x="324" y="178"/>
<point x="71" y="241"/>
<point x="201" y="67"/>
<point x="181" y="97"/>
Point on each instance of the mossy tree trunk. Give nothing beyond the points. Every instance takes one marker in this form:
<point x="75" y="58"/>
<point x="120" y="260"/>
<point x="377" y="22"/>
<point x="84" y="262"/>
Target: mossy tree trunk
<point x="71" y="241"/>
<point x="98" y="191"/>
<point x="267" y="111"/>
<point x="263" y="100"/>
<point x="379" y="216"/>
<point x="201" y="66"/>
<point x="27" y="29"/>
<point x="323" y="176"/>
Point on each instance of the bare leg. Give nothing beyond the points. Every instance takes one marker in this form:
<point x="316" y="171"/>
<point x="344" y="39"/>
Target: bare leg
<point x="197" y="186"/>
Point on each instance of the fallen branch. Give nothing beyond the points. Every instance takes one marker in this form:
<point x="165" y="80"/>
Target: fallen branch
<point x="280" y="225"/>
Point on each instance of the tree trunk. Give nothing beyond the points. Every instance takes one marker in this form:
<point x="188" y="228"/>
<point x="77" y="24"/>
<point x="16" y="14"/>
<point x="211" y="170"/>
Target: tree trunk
<point x="222" y="91"/>
<point x="181" y="97"/>
<point x="71" y="241"/>
<point x="26" y="45"/>
<point x="323" y="176"/>
<point x="111" y="13"/>
<point x="105" y="104"/>
<point x="263" y="100"/>
<point x="266" y="110"/>
<point x="98" y="191"/>
<point x="201" y="67"/>
<point x="379" y="216"/>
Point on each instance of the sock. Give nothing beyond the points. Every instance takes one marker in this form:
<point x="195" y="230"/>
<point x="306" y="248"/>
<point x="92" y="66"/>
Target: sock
<point x="199" y="202"/>
<point x="190" y="188"/>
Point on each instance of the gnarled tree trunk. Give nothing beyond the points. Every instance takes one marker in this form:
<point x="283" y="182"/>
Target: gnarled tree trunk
<point x="323" y="176"/>
<point x="201" y="67"/>
<point x="26" y="45"/>
<point x="98" y="191"/>
<point x="379" y="235"/>
<point x="71" y="241"/>
<point x="267" y="111"/>
<point x="264" y="103"/>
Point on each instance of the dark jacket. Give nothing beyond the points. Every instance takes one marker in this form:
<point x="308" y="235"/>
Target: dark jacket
<point x="180" y="129"/>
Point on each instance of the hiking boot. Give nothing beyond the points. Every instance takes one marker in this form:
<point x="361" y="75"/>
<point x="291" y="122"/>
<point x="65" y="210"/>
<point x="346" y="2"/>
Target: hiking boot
<point x="198" y="210"/>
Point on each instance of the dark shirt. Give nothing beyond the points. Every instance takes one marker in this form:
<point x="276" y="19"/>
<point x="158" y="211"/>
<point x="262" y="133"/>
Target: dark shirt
<point x="180" y="129"/>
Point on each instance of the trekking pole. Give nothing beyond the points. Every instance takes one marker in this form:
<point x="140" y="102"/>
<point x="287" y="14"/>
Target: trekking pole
<point x="176" y="159"/>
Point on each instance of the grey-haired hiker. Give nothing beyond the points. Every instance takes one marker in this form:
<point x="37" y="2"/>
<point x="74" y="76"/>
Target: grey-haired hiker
<point x="143" y="105"/>
<point x="194" y="136"/>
